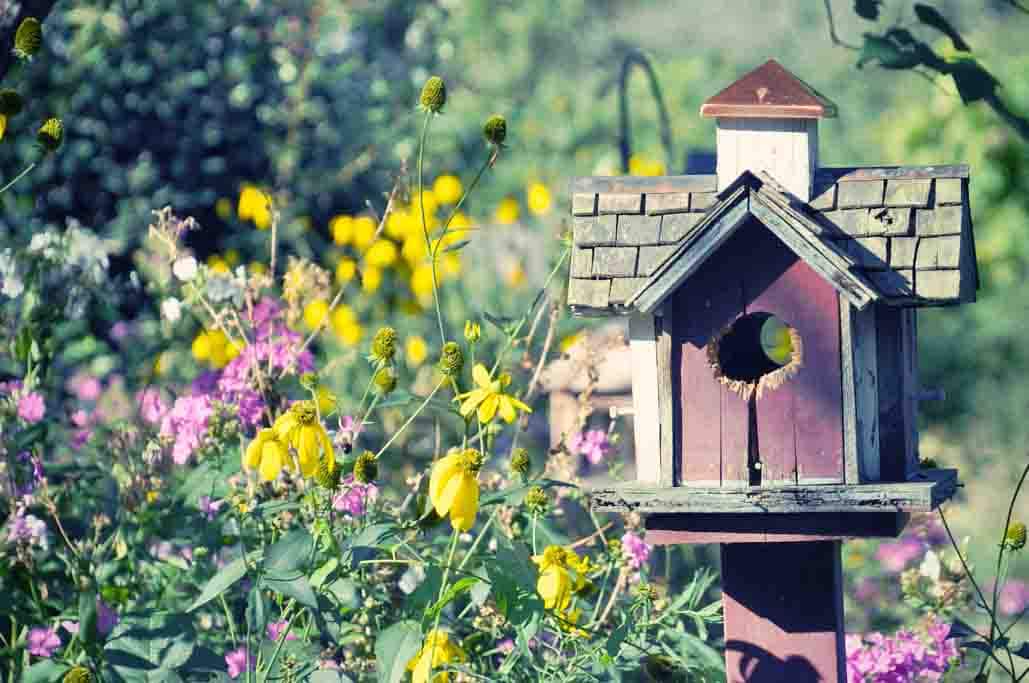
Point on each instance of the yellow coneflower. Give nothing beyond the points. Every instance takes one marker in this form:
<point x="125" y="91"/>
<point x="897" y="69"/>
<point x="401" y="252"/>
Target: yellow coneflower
<point x="454" y="487"/>
<point x="488" y="398"/>
<point x="437" y="651"/>
<point x="300" y="428"/>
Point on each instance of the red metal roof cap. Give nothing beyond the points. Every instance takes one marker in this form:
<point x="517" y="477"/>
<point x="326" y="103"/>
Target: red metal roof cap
<point x="769" y="91"/>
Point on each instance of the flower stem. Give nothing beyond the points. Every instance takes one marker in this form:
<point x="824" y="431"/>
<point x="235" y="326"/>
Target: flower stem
<point x="425" y="225"/>
<point x="442" y="590"/>
<point x="411" y="419"/>
<point x="18" y="177"/>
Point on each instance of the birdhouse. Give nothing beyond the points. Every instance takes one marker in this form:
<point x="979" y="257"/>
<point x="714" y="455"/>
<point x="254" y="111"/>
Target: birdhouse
<point x="772" y="316"/>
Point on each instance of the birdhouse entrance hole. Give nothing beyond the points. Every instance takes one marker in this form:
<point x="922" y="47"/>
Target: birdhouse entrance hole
<point x="758" y="352"/>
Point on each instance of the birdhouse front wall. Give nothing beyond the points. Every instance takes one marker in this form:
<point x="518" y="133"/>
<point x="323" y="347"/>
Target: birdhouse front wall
<point x="789" y="434"/>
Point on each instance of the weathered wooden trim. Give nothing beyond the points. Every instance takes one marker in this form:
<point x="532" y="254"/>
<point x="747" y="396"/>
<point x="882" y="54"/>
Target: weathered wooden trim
<point x="912" y="388"/>
<point x="892" y="393"/>
<point x="691" y="255"/>
<point x="643" y="185"/>
<point x="923" y="493"/>
<point x="827" y="175"/>
<point x="762" y="528"/>
<point x="645" y="380"/>
<point x="860" y="394"/>
<point x="666" y="403"/>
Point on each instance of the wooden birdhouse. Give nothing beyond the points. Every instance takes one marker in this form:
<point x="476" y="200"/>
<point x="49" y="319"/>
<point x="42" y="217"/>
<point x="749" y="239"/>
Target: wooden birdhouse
<point x="772" y="315"/>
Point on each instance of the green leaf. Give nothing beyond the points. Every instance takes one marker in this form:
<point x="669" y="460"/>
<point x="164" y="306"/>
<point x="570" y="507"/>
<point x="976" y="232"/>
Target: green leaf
<point x="289" y="553"/>
<point x="163" y="675"/>
<point x="46" y="671"/>
<point x="321" y="574"/>
<point x="154" y="641"/>
<point x="460" y="586"/>
<point x="867" y="9"/>
<point x="257" y="611"/>
<point x="294" y="586"/>
<point x="930" y="16"/>
<point x="221" y="582"/>
<point x="394" y="648"/>
<point x="888" y="53"/>
<point x="87" y="616"/>
<point x="615" y="640"/>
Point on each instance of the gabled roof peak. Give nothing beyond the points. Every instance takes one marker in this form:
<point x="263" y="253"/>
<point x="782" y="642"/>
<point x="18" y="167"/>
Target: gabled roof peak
<point x="769" y="91"/>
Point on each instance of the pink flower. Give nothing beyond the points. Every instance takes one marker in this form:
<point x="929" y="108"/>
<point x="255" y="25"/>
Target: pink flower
<point x="896" y="556"/>
<point x="238" y="661"/>
<point x="636" y="550"/>
<point x="276" y="628"/>
<point x="106" y="618"/>
<point x="594" y="444"/>
<point x="187" y="423"/>
<point x="85" y="387"/>
<point x="151" y="407"/>
<point x="31" y="407"/>
<point x="1013" y="597"/>
<point x="903" y="657"/>
<point x="210" y="507"/>
<point x="355" y="497"/>
<point x="43" y="641"/>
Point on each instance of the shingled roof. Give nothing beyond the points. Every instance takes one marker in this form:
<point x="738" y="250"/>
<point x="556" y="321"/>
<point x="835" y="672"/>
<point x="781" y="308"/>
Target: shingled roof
<point x="902" y="235"/>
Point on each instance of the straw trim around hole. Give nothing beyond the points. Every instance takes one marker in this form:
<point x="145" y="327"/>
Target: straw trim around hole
<point x="770" y="381"/>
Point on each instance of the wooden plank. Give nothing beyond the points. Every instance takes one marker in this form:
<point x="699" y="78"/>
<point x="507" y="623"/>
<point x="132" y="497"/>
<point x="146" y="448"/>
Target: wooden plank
<point x="892" y="420"/>
<point x="783" y="610"/>
<point x="726" y="279"/>
<point x="631" y="184"/>
<point x="825" y="176"/>
<point x="923" y="492"/>
<point x="646" y="416"/>
<point x="764" y="528"/>
<point x="769" y="291"/>
<point x="860" y="394"/>
<point x="912" y="388"/>
<point x="778" y="146"/>
<point x="666" y="402"/>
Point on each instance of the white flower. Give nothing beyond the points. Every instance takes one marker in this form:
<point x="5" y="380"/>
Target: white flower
<point x="412" y="578"/>
<point x="171" y="310"/>
<point x="185" y="268"/>
<point x="931" y="567"/>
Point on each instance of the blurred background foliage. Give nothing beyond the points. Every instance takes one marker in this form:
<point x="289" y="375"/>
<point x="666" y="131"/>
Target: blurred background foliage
<point x="189" y="102"/>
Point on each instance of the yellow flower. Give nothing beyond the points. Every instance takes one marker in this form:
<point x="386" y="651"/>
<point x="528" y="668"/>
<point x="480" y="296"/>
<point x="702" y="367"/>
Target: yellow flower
<point x="300" y="428"/>
<point x="472" y="331"/>
<point x="460" y="223"/>
<point x="447" y="189"/>
<point x="421" y="283"/>
<point x="538" y="198"/>
<point x="639" y="165"/>
<point x="346" y="269"/>
<point x="570" y="341"/>
<point x="435" y="653"/>
<point x="267" y="454"/>
<point x="515" y="276"/>
<point x="254" y="205"/>
<point x="372" y="279"/>
<point x="326" y="400"/>
<point x="364" y="231"/>
<point x="346" y="325"/>
<point x="257" y="268"/>
<point x="210" y="346"/>
<point x="430" y="201"/>
<point x="382" y="254"/>
<point x="555" y="582"/>
<point x="217" y="264"/>
<point x="507" y="211"/>
<point x="454" y="487"/>
<point x="416" y="351"/>
<point x="489" y="397"/>
<point x="450" y="265"/>
<point x="401" y="223"/>
<point x="342" y="229"/>
<point x="315" y="312"/>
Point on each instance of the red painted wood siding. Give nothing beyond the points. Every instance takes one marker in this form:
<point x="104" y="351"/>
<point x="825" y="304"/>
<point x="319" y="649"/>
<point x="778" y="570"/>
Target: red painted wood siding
<point x="800" y="424"/>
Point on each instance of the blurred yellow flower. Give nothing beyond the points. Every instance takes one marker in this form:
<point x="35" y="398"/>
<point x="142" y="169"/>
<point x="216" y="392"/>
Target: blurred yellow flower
<point x="217" y="264"/>
<point x="401" y="223"/>
<point x="267" y="454"/>
<point x="450" y="265"/>
<point x="569" y="341"/>
<point x="364" y="231"/>
<point x="538" y="198"/>
<point x="431" y="203"/>
<point x="345" y="270"/>
<point x="161" y="363"/>
<point x="152" y="496"/>
<point x="507" y="211"/>
<point x="257" y="268"/>
<point x="460" y="222"/>
<point x="489" y="398"/>
<point x="223" y="208"/>
<point x="346" y="326"/>
<point x="435" y="653"/>
<point x="300" y="428"/>
<point x="254" y="205"/>
<point x="454" y="487"/>
<point x="342" y="229"/>
<point x="232" y="257"/>
<point x="417" y="350"/>
<point x="421" y="283"/>
<point x="326" y="400"/>
<point x="209" y="346"/>
<point x="315" y="312"/>
<point x="515" y="276"/>
<point x="447" y="189"/>
<point x="640" y="165"/>
<point x="414" y="249"/>
<point x="372" y="279"/>
<point x="382" y="254"/>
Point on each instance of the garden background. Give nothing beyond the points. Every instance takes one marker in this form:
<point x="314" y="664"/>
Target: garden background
<point x="195" y="104"/>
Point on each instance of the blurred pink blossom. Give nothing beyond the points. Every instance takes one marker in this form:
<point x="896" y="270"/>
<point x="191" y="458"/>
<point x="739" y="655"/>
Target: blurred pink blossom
<point x="355" y="497"/>
<point x="594" y="444"/>
<point x="42" y="642"/>
<point x="31" y="407"/>
<point x="238" y="661"/>
<point x="636" y="550"/>
<point x="276" y="628"/>
<point x="896" y="556"/>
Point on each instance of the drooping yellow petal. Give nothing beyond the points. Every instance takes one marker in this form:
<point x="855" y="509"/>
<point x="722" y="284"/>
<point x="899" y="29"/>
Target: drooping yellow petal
<point x="466" y="503"/>
<point x="481" y="376"/>
<point x="307" y="450"/>
<point x="285" y="426"/>
<point x="507" y="409"/>
<point x="519" y="405"/>
<point x="273" y="457"/>
<point x="446" y="468"/>
<point x="475" y="398"/>
<point x="555" y="587"/>
<point x="421" y="669"/>
<point x="252" y="455"/>
<point x="488" y="408"/>
<point x="451" y="490"/>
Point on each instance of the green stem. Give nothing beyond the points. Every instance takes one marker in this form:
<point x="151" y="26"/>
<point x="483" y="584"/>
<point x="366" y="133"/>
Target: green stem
<point x="478" y="539"/>
<point x="282" y="639"/>
<point x="411" y="419"/>
<point x="534" y="518"/>
<point x="425" y="225"/>
<point x="453" y="212"/>
<point x="229" y="620"/>
<point x="18" y="177"/>
<point x="442" y="590"/>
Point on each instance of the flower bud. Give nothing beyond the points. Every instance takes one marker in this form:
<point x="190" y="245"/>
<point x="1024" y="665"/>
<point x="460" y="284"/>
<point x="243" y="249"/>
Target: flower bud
<point x="51" y="135"/>
<point x="451" y="359"/>
<point x="434" y="95"/>
<point x="366" y="469"/>
<point x="384" y="345"/>
<point x="11" y="103"/>
<point x="472" y="331"/>
<point x="309" y="381"/>
<point x="28" y="38"/>
<point x="385" y="381"/>
<point x="520" y="462"/>
<point x="78" y="674"/>
<point x="495" y="130"/>
<point x="1014" y="537"/>
<point x="327" y="474"/>
<point x="536" y="500"/>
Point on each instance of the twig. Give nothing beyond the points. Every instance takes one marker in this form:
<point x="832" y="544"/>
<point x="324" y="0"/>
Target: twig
<point x="832" y="29"/>
<point x="585" y="540"/>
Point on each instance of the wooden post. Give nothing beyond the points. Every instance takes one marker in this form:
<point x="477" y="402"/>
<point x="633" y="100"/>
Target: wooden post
<point x="783" y="605"/>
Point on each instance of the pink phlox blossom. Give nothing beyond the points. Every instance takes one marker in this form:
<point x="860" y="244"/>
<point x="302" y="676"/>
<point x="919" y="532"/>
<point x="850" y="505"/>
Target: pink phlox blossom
<point x="85" y="387"/>
<point x="210" y="507"/>
<point x="354" y="497"/>
<point x="238" y="661"/>
<point x="31" y="407"/>
<point x="27" y="529"/>
<point x="904" y="657"/>
<point x="151" y="405"/>
<point x="42" y="642"/>
<point x="276" y="628"/>
<point x="594" y="444"/>
<point x="635" y="549"/>
<point x="1013" y="597"/>
<point x="186" y="422"/>
<point x="896" y="556"/>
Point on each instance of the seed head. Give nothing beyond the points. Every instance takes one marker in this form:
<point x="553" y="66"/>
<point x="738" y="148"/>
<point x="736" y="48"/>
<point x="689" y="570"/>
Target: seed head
<point x="520" y="462"/>
<point x="434" y="95"/>
<point x="11" y="103"/>
<point x="385" y="380"/>
<point x="384" y="345"/>
<point x="327" y="474"/>
<point x="646" y="591"/>
<point x="28" y="38"/>
<point x="451" y="359"/>
<point x="309" y="381"/>
<point x="495" y="130"/>
<point x="1014" y="538"/>
<point x="78" y="674"/>
<point x="472" y="331"/>
<point x="366" y="469"/>
<point x="536" y="500"/>
<point x="51" y="135"/>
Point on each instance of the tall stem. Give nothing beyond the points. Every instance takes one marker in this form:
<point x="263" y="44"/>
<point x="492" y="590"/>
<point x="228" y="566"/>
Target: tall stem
<point x="411" y="419"/>
<point x="18" y="177"/>
<point x="425" y="226"/>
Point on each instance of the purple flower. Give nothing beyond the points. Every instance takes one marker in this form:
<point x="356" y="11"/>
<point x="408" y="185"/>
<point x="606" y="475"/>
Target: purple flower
<point x="186" y="422"/>
<point x="31" y="407"/>
<point x="85" y="387"/>
<point x="636" y="550"/>
<point x="1013" y="597"/>
<point x="905" y="656"/>
<point x="106" y="618"/>
<point x="896" y="556"/>
<point x="355" y="497"/>
<point x="238" y="661"/>
<point x="151" y="407"/>
<point x="120" y="330"/>
<point x="594" y="444"/>
<point x="506" y="646"/>
<point x="43" y="641"/>
<point x="27" y="529"/>
<point x="276" y="628"/>
<point x="210" y="507"/>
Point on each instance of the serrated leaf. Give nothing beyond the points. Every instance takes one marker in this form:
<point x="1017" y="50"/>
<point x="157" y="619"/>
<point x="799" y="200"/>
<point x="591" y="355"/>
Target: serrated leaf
<point x="220" y="582"/>
<point x="394" y="648"/>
